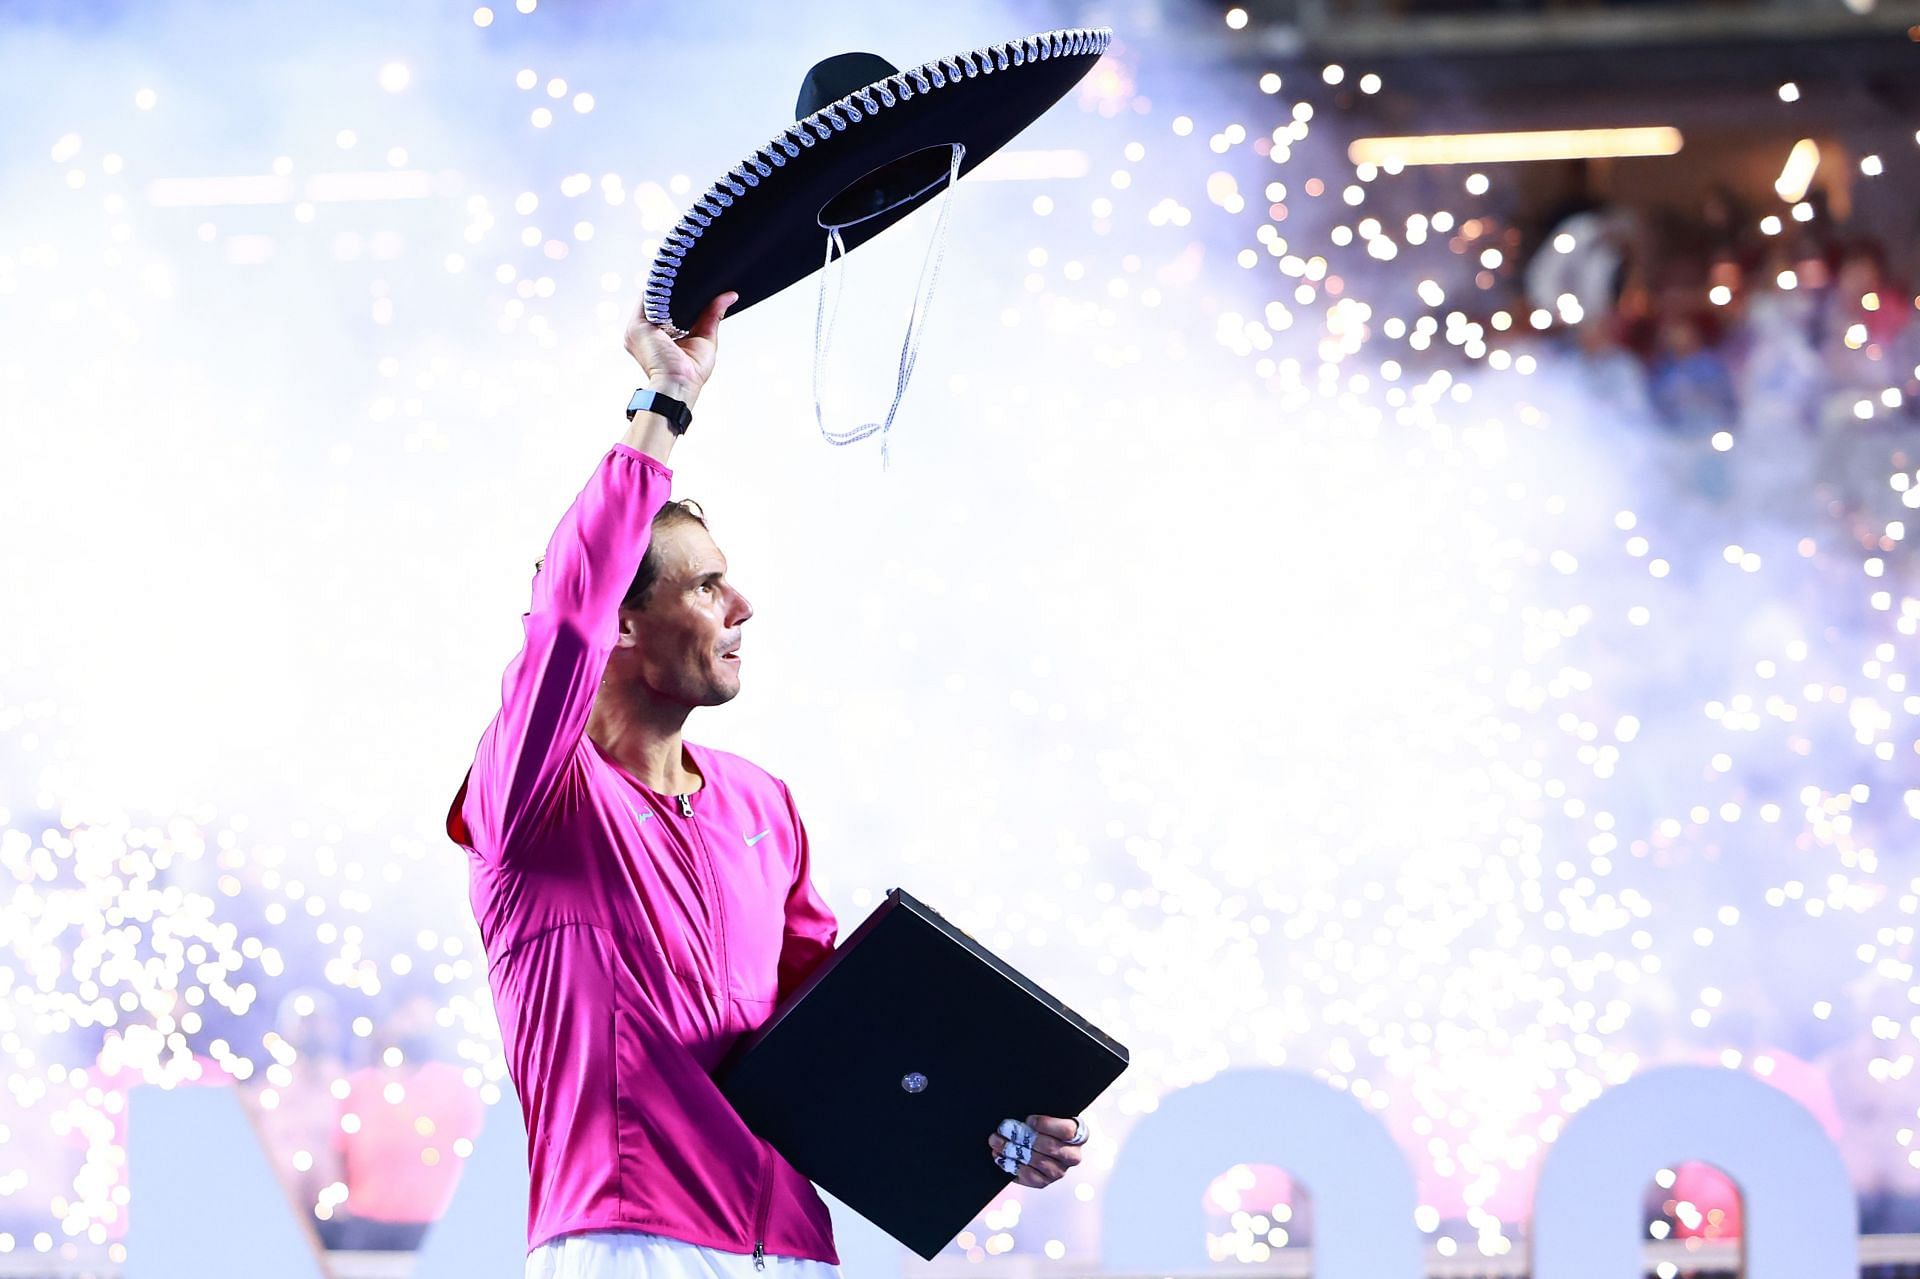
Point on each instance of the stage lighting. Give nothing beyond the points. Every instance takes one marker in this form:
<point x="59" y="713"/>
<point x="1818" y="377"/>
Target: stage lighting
<point x="1500" y="148"/>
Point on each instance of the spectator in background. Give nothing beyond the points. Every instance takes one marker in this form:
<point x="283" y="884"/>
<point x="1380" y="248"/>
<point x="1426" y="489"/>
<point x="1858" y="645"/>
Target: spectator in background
<point x="1725" y="224"/>
<point x="1779" y="383"/>
<point x="1781" y="373"/>
<point x="1610" y="375"/>
<point x="1863" y="324"/>
<point x="1853" y="314"/>
<point x="1862" y="318"/>
<point x="399" y="1124"/>
<point x="1691" y="386"/>
<point x="1586" y="262"/>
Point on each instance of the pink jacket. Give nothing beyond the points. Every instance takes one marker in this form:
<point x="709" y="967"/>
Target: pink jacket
<point x="632" y="938"/>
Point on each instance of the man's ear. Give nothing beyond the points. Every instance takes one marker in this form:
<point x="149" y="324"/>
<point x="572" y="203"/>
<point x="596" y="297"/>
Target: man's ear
<point x="629" y="633"/>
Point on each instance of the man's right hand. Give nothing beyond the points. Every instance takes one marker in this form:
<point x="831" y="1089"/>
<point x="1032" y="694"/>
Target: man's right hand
<point x="678" y="368"/>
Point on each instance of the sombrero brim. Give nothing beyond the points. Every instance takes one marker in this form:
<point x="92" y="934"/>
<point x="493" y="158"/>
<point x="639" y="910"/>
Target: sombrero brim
<point x="758" y="229"/>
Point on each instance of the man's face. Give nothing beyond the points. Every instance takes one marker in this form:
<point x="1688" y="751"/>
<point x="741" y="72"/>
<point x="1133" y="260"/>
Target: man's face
<point x="684" y="644"/>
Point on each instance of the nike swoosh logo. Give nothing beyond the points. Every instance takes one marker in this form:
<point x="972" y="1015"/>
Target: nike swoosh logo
<point x="754" y="839"/>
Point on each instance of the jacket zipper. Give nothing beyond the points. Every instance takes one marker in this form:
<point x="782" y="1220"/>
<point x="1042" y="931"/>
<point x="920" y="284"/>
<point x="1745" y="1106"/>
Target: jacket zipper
<point x="720" y="920"/>
<point x="713" y="885"/>
<point x="766" y="1204"/>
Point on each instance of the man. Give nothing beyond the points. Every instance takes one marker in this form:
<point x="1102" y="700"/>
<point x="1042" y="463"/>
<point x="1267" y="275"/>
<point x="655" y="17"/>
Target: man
<point x="646" y="902"/>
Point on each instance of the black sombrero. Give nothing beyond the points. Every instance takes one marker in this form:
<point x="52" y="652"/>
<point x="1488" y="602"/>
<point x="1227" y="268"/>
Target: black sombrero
<point x="871" y="145"/>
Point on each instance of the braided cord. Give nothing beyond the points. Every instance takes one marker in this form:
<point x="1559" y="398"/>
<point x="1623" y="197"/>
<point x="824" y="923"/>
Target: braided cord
<point x="823" y="317"/>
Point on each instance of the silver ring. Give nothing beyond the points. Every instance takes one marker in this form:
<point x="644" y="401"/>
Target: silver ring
<point x="1079" y="1137"/>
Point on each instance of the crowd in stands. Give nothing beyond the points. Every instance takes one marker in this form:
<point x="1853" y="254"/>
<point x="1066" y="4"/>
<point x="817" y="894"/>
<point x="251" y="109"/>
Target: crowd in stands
<point x="1787" y="337"/>
<point x="1769" y="365"/>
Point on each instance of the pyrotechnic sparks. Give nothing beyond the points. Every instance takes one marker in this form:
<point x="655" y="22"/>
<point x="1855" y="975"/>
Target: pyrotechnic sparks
<point x="1319" y="673"/>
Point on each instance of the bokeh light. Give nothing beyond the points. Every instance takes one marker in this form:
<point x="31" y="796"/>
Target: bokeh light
<point x="1266" y="635"/>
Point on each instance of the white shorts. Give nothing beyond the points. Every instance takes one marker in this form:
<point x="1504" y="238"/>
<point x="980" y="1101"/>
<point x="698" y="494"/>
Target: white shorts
<point x="633" y="1254"/>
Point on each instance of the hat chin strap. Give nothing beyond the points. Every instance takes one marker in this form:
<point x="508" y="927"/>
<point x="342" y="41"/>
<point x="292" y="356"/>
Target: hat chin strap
<point x="823" y="317"/>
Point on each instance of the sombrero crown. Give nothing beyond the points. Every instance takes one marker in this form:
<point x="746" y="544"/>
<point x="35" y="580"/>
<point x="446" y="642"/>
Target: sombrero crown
<point x="871" y="145"/>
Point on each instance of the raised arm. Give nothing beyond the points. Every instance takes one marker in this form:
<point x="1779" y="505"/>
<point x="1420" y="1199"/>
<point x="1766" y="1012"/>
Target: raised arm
<point x="678" y="369"/>
<point x="548" y="691"/>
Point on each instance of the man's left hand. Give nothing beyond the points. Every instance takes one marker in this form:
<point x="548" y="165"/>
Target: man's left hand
<point x="1044" y="1161"/>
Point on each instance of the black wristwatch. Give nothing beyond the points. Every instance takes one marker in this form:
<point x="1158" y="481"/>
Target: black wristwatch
<point x="679" y="416"/>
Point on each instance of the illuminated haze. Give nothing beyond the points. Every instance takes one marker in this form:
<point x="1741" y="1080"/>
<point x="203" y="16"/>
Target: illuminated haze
<point x="1277" y="683"/>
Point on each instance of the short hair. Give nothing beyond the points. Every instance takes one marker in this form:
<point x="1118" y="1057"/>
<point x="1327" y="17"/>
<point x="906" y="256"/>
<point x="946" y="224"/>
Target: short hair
<point x="683" y="511"/>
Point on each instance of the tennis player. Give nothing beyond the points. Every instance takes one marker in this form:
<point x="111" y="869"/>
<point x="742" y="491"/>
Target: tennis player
<point x="645" y="902"/>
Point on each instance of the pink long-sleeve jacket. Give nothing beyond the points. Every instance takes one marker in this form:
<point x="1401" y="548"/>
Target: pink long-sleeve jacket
<point x="632" y="938"/>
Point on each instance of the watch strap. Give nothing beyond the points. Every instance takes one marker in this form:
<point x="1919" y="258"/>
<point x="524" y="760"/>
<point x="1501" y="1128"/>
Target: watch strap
<point x="679" y="416"/>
